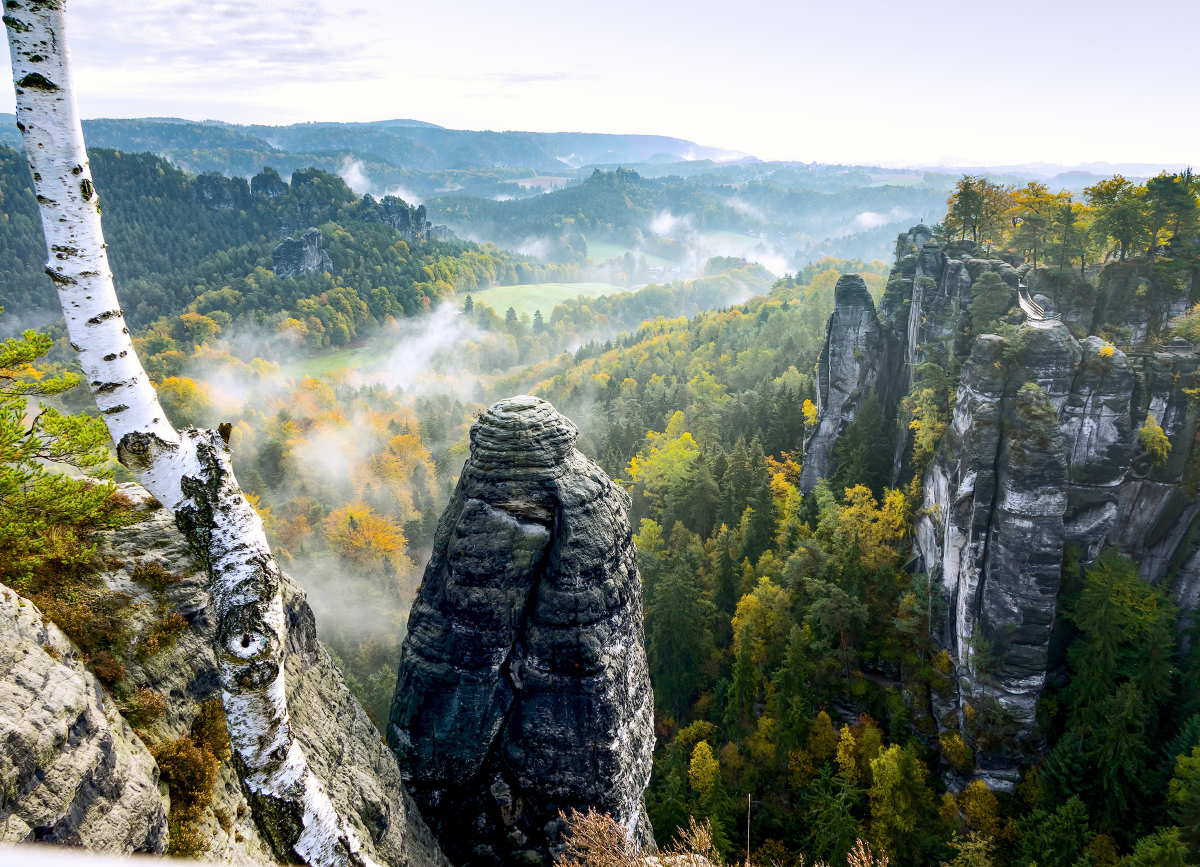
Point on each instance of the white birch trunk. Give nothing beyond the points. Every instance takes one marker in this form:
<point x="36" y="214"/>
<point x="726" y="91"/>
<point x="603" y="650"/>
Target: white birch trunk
<point x="190" y="472"/>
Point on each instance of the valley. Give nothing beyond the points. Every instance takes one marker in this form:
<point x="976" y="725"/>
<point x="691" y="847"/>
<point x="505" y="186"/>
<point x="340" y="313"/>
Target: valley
<point x="822" y="505"/>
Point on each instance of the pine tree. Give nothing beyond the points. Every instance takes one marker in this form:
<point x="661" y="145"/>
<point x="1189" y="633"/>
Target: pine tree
<point x="735" y="485"/>
<point x="761" y="528"/>
<point x="725" y="573"/>
<point x="744" y="689"/>
<point x="676" y="628"/>
<point x="991" y="299"/>
<point x="863" y="454"/>
<point x="539" y="324"/>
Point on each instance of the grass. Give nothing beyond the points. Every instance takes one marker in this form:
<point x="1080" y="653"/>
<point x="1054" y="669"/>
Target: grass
<point x="529" y="297"/>
<point x="601" y="251"/>
<point x="525" y="298"/>
<point x="351" y="359"/>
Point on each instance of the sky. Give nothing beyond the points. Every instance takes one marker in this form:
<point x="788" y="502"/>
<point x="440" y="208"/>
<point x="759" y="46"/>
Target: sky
<point x="864" y="81"/>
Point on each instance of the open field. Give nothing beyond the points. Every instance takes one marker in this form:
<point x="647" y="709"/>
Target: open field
<point x="528" y="297"/>
<point x="351" y="359"/>
<point x="600" y="251"/>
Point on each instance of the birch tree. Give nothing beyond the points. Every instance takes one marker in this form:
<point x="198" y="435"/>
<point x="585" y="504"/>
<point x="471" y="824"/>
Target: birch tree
<point x="188" y="471"/>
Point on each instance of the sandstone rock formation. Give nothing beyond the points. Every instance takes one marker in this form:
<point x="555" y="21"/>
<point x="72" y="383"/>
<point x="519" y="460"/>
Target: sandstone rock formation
<point x="1041" y="455"/>
<point x="390" y="211"/>
<point x="854" y="363"/>
<point x="411" y="224"/>
<point x="339" y="739"/>
<point x="992" y="530"/>
<point x="523" y="685"/>
<point x="301" y="256"/>
<point x="74" y="773"/>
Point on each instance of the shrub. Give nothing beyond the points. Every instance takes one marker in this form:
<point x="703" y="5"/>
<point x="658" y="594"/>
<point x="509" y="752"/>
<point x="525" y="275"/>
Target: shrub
<point x="957" y="753"/>
<point x="107" y="668"/>
<point x="154" y="575"/>
<point x="162" y="635"/>
<point x="189" y="765"/>
<point x="143" y="707"/>
<point x="1154" y="441"/>
<point x="1188" y="327"/>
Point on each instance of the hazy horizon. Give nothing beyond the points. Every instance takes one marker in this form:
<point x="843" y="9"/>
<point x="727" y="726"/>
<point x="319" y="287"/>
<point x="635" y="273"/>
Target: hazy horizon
<point x="954" y="86"/>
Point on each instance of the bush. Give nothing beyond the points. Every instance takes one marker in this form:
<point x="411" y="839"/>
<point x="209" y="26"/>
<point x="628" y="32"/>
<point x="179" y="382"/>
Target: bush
<point x="143" y="707"/>
<point x="1188" y="327"/>
<point x="162" y="635"/>
<point x="154" y="575"/>
<point x="189" y="765"/>
<point x="957" y="753"/>
<point x="1154" y="441"/>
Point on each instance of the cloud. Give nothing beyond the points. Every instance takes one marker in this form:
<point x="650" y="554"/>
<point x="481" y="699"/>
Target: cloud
<point x="354" y="173"/>
<point x="869" y="220"/>
<point x="741" y="205"/>
<point x="665" y="221"/>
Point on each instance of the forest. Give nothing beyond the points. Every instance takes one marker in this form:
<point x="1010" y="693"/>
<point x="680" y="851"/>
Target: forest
<point x="788" y="636"/>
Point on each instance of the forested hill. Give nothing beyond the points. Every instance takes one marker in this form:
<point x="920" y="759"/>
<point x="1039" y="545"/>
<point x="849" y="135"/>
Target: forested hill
<point x="181" y="243"/>
<point x="405" y="144"/>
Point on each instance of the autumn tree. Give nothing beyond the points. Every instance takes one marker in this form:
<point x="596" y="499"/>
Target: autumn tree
<point x="977" y="208"/>
<point x="1033" y="210"/>
<point x="1117" y="205"/>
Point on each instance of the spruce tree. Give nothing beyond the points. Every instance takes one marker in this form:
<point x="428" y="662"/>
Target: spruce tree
<point x="991" y="298"/>
<point x="735" y="484"/>
<point x="863" y="454"/>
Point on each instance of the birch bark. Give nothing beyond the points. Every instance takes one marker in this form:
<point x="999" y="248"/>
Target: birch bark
<point x="189" y="471"/>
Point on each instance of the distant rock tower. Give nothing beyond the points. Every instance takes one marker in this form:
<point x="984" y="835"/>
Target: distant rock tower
<point x="302" y="256"/>
<point x="523" y="686"/>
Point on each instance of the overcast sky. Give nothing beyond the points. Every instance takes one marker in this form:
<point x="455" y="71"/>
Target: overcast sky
<point x="835" y="81"/>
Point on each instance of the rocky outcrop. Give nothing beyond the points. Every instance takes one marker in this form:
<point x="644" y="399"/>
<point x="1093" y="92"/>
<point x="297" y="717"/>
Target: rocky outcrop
<point x="268" y="183"/>
<point x="1098" y="439"/>
<point x="74" y="773"/>
<point x="412" y="224"/>
<point x="341" y="744"/>
<point x="523" y="685"/>
<point x="1042" y="454"/>
<point x="854" y="363"/>
<point x="1158" y="511"/>
<point x="303" y="255"/>
<point x="215" y="192"/>
<point x="992" y="531"/>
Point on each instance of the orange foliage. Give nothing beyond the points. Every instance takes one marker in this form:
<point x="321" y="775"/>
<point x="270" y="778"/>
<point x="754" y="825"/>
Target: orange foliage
<point x="364" y="537"/>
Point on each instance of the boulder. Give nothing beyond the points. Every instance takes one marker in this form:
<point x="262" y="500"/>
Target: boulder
<point x="523" y="685"/>
<point x="342" y="746"/>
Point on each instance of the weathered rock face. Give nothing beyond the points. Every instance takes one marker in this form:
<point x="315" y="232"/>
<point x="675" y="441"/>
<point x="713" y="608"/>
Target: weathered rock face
<point x="301" y="256"/>
<point x="413" y="225"/>
<point x="215" y="192"/>
<point x="992" y="530"/>
<point x="1042" y="454"/>
<point x="341" y="744"/>
<point x="1098" y="438"/>
<point x="74" y="773"/>
<point x="523" y="685"/>
<point x="854" y="363"/>
<point x="1158" y="511"/>
<point x="392" y="212"/>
